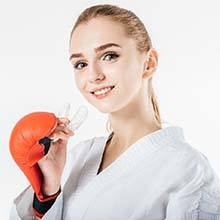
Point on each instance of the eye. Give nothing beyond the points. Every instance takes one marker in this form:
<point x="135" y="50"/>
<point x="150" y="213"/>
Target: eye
<point x="111" y="55"/>
<point x="79" y="64"/>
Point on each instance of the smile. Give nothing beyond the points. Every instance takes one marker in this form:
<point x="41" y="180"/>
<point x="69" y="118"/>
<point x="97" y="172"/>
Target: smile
<point x="103" y="93"/>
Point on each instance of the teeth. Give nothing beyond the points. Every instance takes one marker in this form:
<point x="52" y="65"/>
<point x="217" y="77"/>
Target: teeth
<point x="102" y="91"/>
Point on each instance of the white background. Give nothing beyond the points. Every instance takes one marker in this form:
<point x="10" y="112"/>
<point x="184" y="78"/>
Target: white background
<point x="35" y="74"/>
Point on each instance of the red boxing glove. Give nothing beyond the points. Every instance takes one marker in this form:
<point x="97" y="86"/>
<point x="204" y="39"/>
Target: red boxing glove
<point x="29" y="143"/>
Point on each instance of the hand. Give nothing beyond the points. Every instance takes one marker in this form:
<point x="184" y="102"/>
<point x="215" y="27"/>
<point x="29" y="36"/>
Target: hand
<point x="52" y="164"/>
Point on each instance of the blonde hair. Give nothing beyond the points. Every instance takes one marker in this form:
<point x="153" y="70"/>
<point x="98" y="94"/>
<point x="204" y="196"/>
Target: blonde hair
<point x="134" y="28"/>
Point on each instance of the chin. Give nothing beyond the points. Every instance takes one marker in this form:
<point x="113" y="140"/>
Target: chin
<point x="104" y="109"/>
<point x="108" y="108"/>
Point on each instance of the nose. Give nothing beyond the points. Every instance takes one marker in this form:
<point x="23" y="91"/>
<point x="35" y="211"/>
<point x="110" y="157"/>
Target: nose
<point x="95" y="73"/>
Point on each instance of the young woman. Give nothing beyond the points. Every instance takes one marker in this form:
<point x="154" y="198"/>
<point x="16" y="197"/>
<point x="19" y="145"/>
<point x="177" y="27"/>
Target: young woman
<point x="142" y="169"/>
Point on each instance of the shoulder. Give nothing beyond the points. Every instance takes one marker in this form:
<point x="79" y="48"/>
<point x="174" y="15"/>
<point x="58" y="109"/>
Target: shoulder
<point x="187" y="154"/>
<point x="189" y="164"/>
<point x="199" y="191"/>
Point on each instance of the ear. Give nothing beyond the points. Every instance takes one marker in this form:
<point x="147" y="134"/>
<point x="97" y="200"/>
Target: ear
<point x="151" y="63"/>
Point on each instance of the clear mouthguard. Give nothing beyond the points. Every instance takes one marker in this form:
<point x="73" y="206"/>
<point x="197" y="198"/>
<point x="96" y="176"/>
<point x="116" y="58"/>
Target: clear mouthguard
<point x="76" y="118"/>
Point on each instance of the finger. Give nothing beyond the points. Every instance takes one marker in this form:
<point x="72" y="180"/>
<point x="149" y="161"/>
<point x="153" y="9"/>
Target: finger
<point x="65" y="129"/>
<point x="59" y="135"/>
<point x="63" y="121"/>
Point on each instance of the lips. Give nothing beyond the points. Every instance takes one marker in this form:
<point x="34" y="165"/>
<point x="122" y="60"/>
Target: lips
<point x="103" y="95"/>
<point x="102" y="88"/>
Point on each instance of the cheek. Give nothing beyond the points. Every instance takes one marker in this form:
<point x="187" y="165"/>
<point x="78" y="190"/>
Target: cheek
<point x="126" y="74"/>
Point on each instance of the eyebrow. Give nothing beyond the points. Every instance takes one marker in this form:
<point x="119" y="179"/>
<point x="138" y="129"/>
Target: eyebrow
<point x="97" y="49"/>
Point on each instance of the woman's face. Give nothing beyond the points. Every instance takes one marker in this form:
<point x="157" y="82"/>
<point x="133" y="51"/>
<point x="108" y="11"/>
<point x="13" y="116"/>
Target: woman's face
<point x="119" y="65"/>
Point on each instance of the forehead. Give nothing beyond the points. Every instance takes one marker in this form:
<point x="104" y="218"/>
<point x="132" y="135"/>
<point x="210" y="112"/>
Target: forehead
<point x="96" y="32"/>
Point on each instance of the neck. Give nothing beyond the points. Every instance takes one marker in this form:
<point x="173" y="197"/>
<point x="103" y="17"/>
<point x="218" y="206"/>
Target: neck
<point x="130" y="124"/>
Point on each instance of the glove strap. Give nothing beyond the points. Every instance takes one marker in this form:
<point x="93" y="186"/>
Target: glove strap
<point x="46" y="142"/>
<point x="41" y="207"/>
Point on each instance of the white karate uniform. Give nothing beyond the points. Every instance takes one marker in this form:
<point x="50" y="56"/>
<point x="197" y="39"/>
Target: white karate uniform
<point x="159" y="177"/>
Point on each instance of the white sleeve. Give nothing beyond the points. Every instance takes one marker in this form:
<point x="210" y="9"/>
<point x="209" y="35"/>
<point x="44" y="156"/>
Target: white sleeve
<point x="21" y="208"/>
<point x="199" y="198"/>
